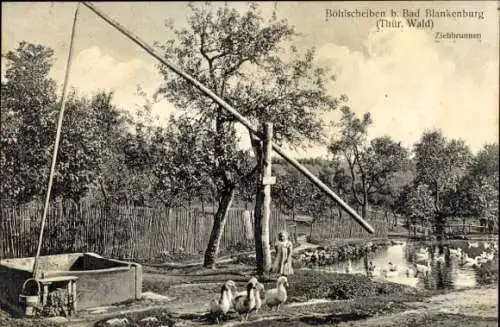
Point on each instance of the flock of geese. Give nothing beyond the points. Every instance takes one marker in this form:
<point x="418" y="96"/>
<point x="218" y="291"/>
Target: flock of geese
<point x="247" y="301"/>
<point x="422" y="260"/>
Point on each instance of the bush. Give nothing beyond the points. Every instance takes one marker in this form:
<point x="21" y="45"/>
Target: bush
<point x="332" y="253"/>
<point x="487" y="273"/>
<point x="314" y="285"/>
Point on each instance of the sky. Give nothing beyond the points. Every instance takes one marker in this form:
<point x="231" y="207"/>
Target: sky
<point x="407" y="79"/>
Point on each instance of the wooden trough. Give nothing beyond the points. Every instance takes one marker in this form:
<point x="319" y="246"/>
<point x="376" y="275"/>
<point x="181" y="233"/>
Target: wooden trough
<point x="85" y="279"/>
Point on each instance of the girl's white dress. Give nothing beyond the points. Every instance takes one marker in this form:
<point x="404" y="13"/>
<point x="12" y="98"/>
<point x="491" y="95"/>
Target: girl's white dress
<point x="280" y="264"/>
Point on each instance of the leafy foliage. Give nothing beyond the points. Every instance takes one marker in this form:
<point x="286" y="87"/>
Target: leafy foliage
<point x="371" y="165"/>
<point x="421" y="204"/>
<point x="440" y="164"/>
<point x="28" y="119"/>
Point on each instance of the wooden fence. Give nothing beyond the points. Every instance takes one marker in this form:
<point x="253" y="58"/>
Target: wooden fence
<point x="117" y="231"/>
<point x="139" y="232"/>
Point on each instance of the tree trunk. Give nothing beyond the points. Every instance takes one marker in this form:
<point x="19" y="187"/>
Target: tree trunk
<point x="364" y="211"/>
<point x="439" y="224"/>
<point x="218" y="227"/>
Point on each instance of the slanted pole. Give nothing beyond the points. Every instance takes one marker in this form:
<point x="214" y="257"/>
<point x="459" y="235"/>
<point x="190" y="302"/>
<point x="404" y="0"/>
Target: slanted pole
<point x="35" y="271"/>
<point x="316" y="181"/>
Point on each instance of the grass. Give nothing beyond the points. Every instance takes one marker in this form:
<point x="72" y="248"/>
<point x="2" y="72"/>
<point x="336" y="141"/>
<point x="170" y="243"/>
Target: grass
<point x="316" y="285"/>
<point x="487" y="273"/>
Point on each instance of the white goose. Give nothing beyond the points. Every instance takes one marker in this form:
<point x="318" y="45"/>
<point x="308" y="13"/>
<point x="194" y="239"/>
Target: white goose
<point x="220" y="304"/>
<point x="277" y="296"/>
<point x="244" y="304"/>
<point x="422" y="270"/>
<point x="468" y="262"/>
<point x="259" y="288"/>
<point x="422" y="256"/>
<point x="456" y="252"/>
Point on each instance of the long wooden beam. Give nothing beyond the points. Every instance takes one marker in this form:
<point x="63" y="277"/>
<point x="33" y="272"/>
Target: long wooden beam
<point x="35" y="271"/>
<point x="316" y="181"/>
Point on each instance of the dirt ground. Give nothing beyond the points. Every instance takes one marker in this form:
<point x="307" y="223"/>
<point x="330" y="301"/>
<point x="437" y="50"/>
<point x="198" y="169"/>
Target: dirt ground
<point x="475" y="307"/>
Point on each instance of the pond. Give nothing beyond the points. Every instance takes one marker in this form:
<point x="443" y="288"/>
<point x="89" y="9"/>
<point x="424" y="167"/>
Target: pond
<point x="428" y="265"/>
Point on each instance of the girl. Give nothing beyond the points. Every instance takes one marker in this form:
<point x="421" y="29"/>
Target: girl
<point x="283" y="261"/>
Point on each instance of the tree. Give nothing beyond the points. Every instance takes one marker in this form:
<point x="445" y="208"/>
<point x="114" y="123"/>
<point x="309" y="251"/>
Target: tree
<point x="486" y="164"/>
<point x="28" y="120"/>
<point x="88" y="132"/>
<point x="238" y="56"/>
<point x="440" y="164"/>
<point x="475" y="197"/>
<point x="29" y="116"/>
<point x="485" y="171"/>
<point x="372" y="165"/>
<point x="340" y="180"/>
<point x="477" y="193"/>
<point x="421" y="204"/>
<point x="290" y="190"/>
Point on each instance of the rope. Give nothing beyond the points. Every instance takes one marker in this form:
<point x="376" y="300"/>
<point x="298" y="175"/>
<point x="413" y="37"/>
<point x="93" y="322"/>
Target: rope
<point x="56" y="145"/>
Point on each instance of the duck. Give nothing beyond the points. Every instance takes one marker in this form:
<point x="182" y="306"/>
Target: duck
<point x="393" y="267"/>
<point x="456" y="252"/>
<point x="277" y="296"/>
<point x="468" y="262"/>
<point x="423" y="270"/>
<point x="220" y="304"/>
<point x="473" y="244"/>
<point x="348" y="268"/>
<point x="487" y="256"/>
<point x="421" y="257"/>
<point x="439" y="258"/>
<point x="423" y="251"/>
<point x="244" y="304"/>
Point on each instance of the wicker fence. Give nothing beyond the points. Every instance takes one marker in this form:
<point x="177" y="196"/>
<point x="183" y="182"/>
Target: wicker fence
<point x="139" y="232"/>
<point x="117" y="231"/>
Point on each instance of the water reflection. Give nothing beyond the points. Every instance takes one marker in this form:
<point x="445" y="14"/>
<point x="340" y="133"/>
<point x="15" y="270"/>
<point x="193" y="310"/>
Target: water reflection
<point x="428" y="265"/>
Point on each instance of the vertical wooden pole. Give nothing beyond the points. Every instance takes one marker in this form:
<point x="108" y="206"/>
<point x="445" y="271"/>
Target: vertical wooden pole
<point x="267" y="181"/>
